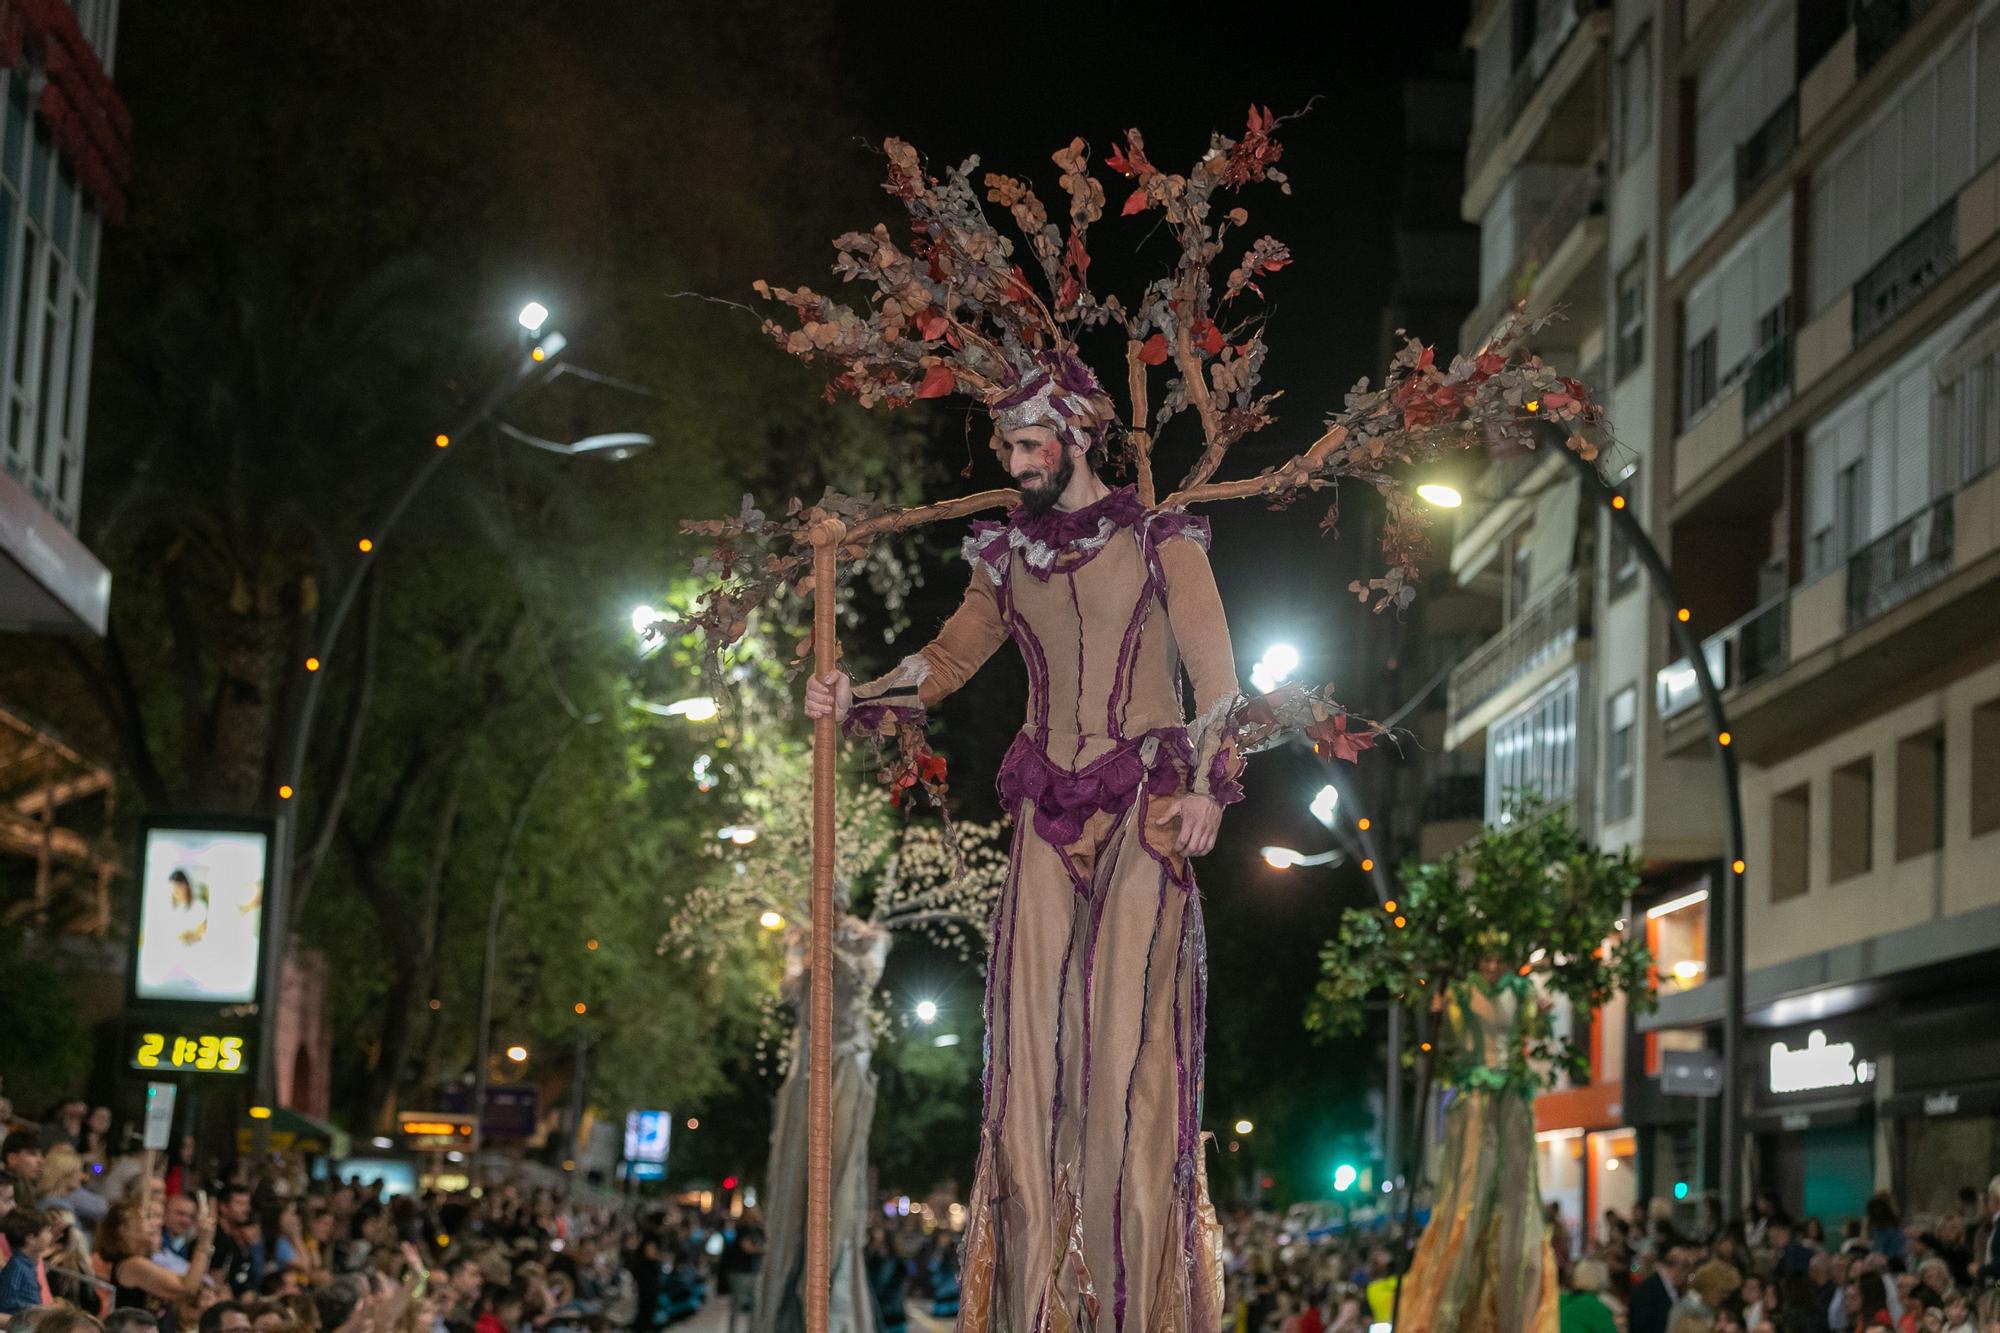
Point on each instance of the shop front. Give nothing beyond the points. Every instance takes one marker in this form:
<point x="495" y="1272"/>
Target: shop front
<point x="1585" y="1156"/>
<point x="1813" y="1115"/>
<point x="1945" y="1109"/>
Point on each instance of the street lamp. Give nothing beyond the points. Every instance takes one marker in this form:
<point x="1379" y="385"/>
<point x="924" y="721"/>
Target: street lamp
<point x="518" y="1054"/>
<point x="1243" y="1128"/>
<point x="1277" y="664"/>
<point x="927" y="1011"/>
<point x="533" y="315"/>
<point x="613" y="447"/>
<point x="1438" y="495"/>
<point x="772" y="920"/>
<point x="1324" y="803"/>
<point x="1284" y="858"/>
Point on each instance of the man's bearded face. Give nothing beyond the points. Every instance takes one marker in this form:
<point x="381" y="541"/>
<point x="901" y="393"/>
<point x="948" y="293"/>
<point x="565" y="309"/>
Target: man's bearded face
<point x="1041" y="466"/>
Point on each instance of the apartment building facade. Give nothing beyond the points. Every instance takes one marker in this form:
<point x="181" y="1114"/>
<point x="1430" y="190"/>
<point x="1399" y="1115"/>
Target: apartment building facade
<point x="64" y="136"/>
<point x="1831" y="287"/>
<point x="1771" y="226"/>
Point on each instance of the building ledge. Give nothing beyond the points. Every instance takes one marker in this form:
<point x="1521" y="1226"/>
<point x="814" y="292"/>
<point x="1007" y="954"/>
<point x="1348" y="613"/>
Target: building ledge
<point x="1835" y="981"/>
<point x="1877" y="661"/>
<point x="50" y="583"/>
<point x="1485" y="170"/>
<point x="1969" y="278"/>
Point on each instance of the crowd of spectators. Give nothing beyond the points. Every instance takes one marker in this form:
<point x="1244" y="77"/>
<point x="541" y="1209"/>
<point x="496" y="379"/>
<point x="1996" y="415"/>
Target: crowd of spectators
<point x="1766" y="1272"/>
<point x="94" y="1236"/>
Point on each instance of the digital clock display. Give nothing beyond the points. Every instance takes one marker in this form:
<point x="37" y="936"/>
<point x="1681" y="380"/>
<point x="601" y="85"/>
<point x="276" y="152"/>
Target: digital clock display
<point x="189" y="1052"/>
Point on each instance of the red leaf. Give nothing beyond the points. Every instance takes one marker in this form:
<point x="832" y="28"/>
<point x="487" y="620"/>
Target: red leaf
<point x="938" y="381"/>
<point x="1154" y="350"/>
<point x="1136" y="204"/>
<point x="1118" y="162"/>
<point x="932" y="324"/>
<point x="1209" y="337"/>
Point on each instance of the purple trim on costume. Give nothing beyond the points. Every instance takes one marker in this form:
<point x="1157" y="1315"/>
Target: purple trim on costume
<point x="1162" y="526"/>
<point x="1077" y="605"/>
<point x="1005" y="902"/>
<point x="1184" y="876"/>
<point x="882" y="719"/>
<point x="1032" y="655"/>
<point x="1065" y="799"/>
<point x="1128" y="658"/>
<point x="1062" y="1016"/>
<point x="1131" y="1079"/>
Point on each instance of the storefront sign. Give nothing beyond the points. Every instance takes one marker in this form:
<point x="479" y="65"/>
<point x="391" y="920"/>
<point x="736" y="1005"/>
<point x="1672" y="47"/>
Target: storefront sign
<point x="1817" y="1065"/>
<point x="1941" y="1103"/>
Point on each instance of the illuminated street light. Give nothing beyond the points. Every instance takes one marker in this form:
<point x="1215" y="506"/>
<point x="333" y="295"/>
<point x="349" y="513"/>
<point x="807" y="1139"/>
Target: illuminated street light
<point x="740" y="834"/>
<point x="772" y="921"/>
<point x="1277" y="664"/>
<point x="518" y="1054"/>
<point x="1244" y="1127"/>
<point x="1440" y="496"/>
<point x="927" y="1011"/>
<point x="1324" y="804"/>
<point x="533" y="315"/>
<point x="1284" y="858"/>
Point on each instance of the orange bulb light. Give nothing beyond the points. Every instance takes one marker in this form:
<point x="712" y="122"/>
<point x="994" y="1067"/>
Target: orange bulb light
<point x="581" y="1007"/>
<point x="285" y="792"/>
<point x="365" y="545"/>
<point x="1684" y="615"/>
<point x="590" y="945"/>
<point x="1401" y="922"/>
<point x="1724" y="738"/>
<point x="443" y="439"/>
<point x="1367" y="864"/>
<point x="1737" y="865"/>
<point x="539" y="354"/>
<point x="1617" y="502"/>
<point x="312" y="664"/>
<point x="1389" y="906"/>
<point x="1362" y="823"/>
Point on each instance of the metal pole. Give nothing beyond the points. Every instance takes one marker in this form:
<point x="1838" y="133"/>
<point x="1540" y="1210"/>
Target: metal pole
<point x="484" y="1049"/>
<point x="1662" y="582"/>
<point x="296" y="726"/>
<point x="819" y="1086"/>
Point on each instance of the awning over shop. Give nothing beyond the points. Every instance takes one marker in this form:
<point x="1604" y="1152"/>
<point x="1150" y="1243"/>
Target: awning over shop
<point x="50" y="583"/>
<point x="292" y="1131"/>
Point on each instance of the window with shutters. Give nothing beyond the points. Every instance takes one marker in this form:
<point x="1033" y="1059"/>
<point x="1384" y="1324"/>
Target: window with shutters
<point x="1635" y="96"/>
<point x="1734" y="311"/>
<point x="1631" y="308"/>
<point x="1621" y="719"/>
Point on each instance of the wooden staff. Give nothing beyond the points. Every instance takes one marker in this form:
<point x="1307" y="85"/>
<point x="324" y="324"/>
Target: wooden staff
<point x="826" y="538"/>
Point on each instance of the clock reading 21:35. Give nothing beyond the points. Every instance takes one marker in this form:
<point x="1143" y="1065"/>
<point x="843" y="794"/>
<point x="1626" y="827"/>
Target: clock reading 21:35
<point x="191" y="1052"/>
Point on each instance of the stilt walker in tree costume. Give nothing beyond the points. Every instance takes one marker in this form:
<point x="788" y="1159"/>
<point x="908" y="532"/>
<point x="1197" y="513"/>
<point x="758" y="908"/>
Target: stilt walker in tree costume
<point x="1090" y="1201"/>
<point x="1090" y="1208"/>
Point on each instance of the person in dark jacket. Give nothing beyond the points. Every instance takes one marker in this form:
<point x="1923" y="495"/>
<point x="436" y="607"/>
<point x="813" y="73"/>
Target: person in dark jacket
<point x="1653" y="1300"/>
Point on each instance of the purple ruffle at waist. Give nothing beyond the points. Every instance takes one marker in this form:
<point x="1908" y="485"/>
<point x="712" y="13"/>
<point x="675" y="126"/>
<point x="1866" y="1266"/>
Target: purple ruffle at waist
<point x="1064" y="800"/>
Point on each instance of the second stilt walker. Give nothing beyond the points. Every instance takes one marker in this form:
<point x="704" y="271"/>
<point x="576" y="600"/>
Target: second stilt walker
<point x="1090" y="1204"/>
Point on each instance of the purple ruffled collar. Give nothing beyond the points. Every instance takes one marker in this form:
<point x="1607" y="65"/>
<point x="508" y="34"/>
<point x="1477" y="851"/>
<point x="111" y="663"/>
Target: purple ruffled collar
<point x="1058" y="528"/>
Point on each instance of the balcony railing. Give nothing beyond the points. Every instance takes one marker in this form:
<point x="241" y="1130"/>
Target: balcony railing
<point x="1765" y="151"/>
<point x="1554" y="25"/>
<point x="1879" y="25"/>
<point x="1740" y="653"/>
<point x="1581" y="197"/>
<point x="1544" y="628"/>
<point x="1905" y="273"/>
<point x="1704" y="208"/>
<point x="1767" y="385"/>
<point x="1896" y="566"/>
